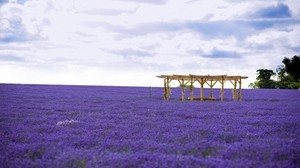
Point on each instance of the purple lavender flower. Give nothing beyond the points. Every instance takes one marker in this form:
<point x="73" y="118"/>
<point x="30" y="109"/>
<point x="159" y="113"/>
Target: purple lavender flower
<point x="89" y="126"/>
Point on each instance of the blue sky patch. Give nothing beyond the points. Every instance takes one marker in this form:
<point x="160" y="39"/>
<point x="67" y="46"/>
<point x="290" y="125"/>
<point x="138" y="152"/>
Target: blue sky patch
<point x="279" y="11"/>
<point x="21" y="1"/>
<point x="11" y="58"/>
<point x="3" y="2"/>
<point x="18" y="1"/>
<point x="217" y="53"/>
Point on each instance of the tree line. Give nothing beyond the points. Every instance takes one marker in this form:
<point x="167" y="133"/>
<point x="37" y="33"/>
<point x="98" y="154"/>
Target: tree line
<point x="287" y="76"/>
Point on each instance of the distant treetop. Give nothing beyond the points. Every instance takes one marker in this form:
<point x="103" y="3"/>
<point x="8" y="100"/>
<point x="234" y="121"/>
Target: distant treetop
<point x="288" y="75"/>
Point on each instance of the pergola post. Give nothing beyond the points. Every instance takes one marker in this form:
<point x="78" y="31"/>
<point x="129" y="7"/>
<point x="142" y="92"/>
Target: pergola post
<point x="240" y="89"/>
<point x="222" y="89"/>
<point x="165" y="89"/>
<point x="182" y="85"/>
<point x="168" y="88"/>
<point x="211" y="89"/>
<point x="234" y="90"/>
<point x="202" y="89"/>
<point x="211" y="85"/>
<point x="192" y="90"/>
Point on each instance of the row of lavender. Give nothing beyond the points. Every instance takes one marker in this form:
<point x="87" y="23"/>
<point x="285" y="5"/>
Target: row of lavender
<point x="89" y="126"/>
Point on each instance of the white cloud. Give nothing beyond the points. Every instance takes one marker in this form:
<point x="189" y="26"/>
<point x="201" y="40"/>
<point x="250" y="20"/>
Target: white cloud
<point x="128" y="42"/>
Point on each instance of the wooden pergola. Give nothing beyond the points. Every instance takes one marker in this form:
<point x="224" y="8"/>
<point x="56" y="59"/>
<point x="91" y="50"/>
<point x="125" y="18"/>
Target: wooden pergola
<point x="187" y="81"/>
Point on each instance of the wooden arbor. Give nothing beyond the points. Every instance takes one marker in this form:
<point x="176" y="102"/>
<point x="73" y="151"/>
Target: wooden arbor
<point x="187" y="81"/>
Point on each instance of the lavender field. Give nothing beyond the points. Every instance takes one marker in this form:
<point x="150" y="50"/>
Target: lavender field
<point x="93" y="126"/>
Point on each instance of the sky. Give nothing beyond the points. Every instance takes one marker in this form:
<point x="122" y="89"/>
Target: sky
<point x="130" y="42"/>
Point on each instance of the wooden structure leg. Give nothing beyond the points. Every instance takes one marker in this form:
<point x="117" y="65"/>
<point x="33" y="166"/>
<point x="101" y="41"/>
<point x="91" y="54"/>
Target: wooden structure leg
<point x="182" y="85"/>
<point x="234" y="90"/>
<point x="222" y="90"/>
<point x="211" y="89"/>
<point x="192" y="90"/>
<point x="167" y="89"/>
<point x="211" y="85"/>
<point x="240" y="89"/>
<point x="202" y="89"/>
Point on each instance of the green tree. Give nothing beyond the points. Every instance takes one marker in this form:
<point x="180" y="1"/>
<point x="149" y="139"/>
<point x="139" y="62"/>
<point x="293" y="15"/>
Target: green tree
<point x="289" y="73"/>
<point x="265" y="74"/>
<point x="283" y="78"/>
<point x="263" y="80"/>
<point x="292" y="67"/>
